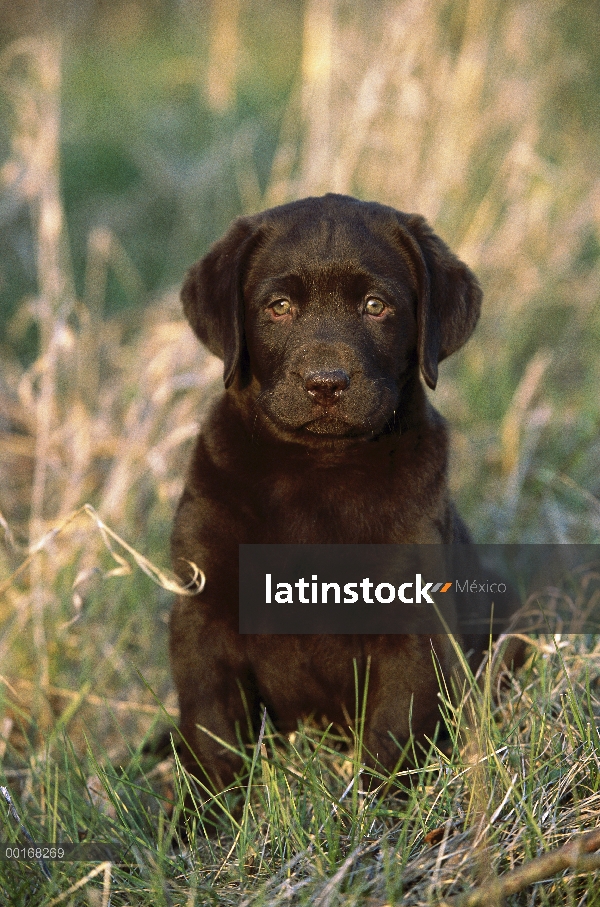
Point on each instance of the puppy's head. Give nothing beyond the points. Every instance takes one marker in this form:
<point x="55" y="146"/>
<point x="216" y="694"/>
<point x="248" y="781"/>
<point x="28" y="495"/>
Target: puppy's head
<point x="321" y="309"/>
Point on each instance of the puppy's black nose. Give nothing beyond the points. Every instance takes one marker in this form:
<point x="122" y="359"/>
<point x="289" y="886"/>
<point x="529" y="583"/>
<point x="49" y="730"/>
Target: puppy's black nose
<point x="326" y="386"/>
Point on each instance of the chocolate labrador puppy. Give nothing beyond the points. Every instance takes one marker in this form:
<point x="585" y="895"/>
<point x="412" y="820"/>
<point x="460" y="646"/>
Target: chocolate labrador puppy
<point x="327" y="312"/>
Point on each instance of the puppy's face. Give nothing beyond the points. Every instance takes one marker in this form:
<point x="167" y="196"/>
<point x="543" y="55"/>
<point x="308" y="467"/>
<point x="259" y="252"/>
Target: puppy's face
<point x="330" y="327"/>
<point x="322" y="308"/>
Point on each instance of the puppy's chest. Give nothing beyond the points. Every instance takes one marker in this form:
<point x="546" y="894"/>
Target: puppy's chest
<point x="329" y="506"/>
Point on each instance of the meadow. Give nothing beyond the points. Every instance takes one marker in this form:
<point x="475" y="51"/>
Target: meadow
<point x="129" y="140"/>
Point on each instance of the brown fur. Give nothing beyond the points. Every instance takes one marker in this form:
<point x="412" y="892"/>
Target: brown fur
<point x="323" y="435"/>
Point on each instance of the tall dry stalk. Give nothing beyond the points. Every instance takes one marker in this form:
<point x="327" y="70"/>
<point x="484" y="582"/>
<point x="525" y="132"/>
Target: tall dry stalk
<point x="224" y="54"/>
<point x="108" y="416"/>
<point x="31" y="73"/>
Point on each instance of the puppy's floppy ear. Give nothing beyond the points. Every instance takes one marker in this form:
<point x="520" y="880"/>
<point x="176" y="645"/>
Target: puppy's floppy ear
<point x="449" y="296"/>
<point x="212" y="295"/>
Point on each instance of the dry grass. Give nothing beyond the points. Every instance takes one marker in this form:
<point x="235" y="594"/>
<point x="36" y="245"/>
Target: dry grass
<point x="443" y="113"/>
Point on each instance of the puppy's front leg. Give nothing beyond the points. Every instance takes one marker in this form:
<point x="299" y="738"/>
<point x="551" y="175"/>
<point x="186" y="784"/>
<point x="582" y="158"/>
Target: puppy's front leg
<point x="215" y="692"/>
<point x="403" y="700"/>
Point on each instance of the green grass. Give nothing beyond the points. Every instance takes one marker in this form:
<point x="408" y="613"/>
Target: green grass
<point x="315" y="824"/>
<point x="475" y="114"/>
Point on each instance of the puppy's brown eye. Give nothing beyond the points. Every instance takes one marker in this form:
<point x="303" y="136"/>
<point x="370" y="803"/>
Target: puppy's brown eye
<point x="374" y="306"/>
<point x="281" y="307"/>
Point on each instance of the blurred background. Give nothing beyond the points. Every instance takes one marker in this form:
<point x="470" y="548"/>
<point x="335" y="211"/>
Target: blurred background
<point x="131" y="133"/>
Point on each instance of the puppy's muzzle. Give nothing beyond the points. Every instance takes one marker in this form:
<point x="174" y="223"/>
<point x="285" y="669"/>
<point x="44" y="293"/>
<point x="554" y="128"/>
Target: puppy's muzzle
<point x="325" y="387"/>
